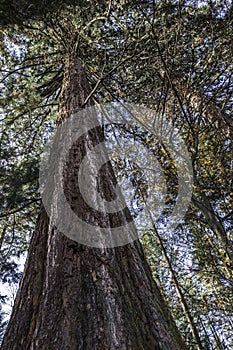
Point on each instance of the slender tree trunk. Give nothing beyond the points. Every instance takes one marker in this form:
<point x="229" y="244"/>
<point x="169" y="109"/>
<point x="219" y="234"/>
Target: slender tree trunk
<point x="75" y="297"/>
<point x="203" y="204"/>
<point x="180" y="294"/>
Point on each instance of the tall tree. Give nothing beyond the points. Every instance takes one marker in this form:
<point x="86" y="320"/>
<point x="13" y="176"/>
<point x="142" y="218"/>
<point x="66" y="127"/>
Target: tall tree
<point x="173" y="56"/>
<point x="76" y="297"/>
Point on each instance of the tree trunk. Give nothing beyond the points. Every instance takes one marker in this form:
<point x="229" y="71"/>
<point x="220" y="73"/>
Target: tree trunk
<point x="72" y="296"/>
<point x="202" y="203"/>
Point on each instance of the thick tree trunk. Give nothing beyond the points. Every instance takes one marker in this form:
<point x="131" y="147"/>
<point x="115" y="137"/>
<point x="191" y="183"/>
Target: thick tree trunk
<point x="75" y="297"/>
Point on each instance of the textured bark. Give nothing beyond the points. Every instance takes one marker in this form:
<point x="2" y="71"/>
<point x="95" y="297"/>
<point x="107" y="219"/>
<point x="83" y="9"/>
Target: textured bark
<point x="75" y="297"/>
